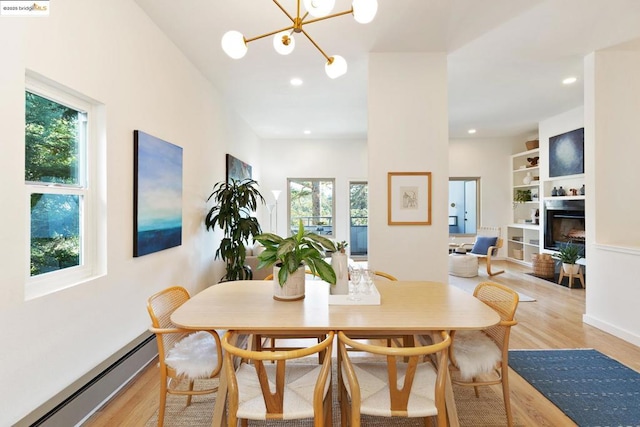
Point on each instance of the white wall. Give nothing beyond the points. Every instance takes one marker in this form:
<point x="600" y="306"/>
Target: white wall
<point x="612" y="108"/>
<point x="408" y="132"/>
<point x="488" y="159"/>
<point x="344" y="160"/>
<point x="113" y="53"/>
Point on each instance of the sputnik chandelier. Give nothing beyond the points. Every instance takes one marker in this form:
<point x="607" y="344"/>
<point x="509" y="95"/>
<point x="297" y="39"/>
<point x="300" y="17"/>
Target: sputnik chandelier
<point x="235" y="44"/>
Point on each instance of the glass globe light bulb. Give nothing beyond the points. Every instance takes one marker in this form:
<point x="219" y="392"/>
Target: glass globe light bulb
<point x="234" y="45"/>
<point x="319" y="8"/>
<point x="336" y="67"/>
<point x="364" y="10"/>
<point x="284" y="43"/>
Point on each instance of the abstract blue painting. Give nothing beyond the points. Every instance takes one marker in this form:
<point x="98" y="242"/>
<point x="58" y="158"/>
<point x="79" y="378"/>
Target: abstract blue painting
<point x="566" y="153"/>
<point x="157" y="194"/>
<point x="237" y="169"/>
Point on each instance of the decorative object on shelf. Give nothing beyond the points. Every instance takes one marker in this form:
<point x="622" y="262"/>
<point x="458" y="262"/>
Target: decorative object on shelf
<point x="573" y="191"/>
<point x="517" y="254"/>
<point x="533" y="161"/>
<point x="527" y="178"/>
<point x="409" y="198"/>
<point x="288" y="254"/>
<point x="554" y="192"/>
<point x="566" y="153"/>
<point x="534" y="195"/>
<point x="522" y="196"/>
<point x="561" y="191"/>
<point x="582" y="190"/>
<point x="535" y="214"/>
<point x="234" y="203"/>
<point x="533" y="144"/>
<point x="235" y="44"/>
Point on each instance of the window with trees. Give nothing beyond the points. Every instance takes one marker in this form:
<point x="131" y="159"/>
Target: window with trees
<point x="312" y="201"/>
<point x="358" y="218"/>
<point x="59" y="191"/>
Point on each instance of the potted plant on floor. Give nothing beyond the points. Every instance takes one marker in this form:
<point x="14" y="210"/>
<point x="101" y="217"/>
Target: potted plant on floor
<point x="291" y="256"/>
<point x="234" y="203"/>
<point x="569" y="254"/>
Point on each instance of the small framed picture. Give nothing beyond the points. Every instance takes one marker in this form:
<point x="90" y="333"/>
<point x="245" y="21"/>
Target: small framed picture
<point x="409" y="198"/>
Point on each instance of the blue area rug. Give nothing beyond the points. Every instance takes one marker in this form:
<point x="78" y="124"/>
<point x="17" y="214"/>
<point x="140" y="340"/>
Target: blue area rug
<point x="589" y="387"/>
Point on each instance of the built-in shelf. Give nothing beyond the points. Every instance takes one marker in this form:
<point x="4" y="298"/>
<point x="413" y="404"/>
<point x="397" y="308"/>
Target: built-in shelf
<point x="564" y="198"/>
<point x="521" y="234"/>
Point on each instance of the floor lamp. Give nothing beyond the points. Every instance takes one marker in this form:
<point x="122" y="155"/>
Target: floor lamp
<point x="276" y="194"/>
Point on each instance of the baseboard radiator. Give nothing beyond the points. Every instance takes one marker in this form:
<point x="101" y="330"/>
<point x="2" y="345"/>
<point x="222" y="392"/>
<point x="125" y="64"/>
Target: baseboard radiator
<point x="73" y="405"/>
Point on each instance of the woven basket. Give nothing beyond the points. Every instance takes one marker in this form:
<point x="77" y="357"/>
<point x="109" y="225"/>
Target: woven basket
<point x="543" y="266"/>
<point x="532" y="144"/>
<point x="517" y="254"/>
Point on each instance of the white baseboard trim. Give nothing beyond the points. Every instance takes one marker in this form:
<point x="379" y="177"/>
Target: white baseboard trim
<point x="73" y="405"/>
<point x="613" y="330"/>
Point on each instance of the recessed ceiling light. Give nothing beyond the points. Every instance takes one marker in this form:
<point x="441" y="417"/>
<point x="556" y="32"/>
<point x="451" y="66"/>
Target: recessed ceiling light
<point x="569" y="80"/>
<point x="471" y="131"/>
<point x="307" y="132"/>
<point x="295" y="81"/>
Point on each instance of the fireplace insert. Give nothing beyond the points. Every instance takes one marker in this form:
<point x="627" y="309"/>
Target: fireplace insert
<point x="564" y="223"/>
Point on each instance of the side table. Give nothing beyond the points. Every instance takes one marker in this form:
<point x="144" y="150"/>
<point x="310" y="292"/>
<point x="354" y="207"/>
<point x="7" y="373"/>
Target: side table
<point x="571" y="276"/>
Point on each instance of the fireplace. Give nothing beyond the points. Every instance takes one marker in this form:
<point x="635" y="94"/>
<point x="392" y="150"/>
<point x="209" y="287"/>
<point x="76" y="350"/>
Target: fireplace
<point x="564" y="222"/>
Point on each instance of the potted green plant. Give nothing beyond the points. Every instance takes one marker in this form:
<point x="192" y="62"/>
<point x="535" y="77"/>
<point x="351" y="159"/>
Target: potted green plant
<point x="290" y="255"/>
<point x="569" y="254"/>
<point x="522" y="196"/>
<point x="234" y="203"/>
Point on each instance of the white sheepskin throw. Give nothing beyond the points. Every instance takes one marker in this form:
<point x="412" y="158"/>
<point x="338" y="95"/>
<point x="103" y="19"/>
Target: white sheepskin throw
<point x="194" y="356"/>
<point x="475" y="353"/>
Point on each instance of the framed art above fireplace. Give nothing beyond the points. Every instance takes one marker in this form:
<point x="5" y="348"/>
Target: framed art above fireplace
<point x="566" y="153"/>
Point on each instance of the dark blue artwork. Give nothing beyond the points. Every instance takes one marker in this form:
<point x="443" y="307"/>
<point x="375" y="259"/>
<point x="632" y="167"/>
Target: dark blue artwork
<point x="237" y="169"/>
<point x="566" y="153"/>
<point x="157" y="194"/>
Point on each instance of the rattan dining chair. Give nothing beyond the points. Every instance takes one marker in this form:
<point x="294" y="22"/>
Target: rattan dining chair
<point x="482" y="357"/>
<point x="183" y="355"/>
<point x="283" y="390"/>
<point x="406" y="382"/>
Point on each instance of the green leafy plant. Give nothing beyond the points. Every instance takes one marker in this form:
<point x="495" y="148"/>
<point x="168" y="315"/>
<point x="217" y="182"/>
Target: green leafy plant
<point x="290" y="253"/>
<point x="522" y="196"/>
<point x="234" y="203"/>
<point x="342" y="245"/>
<point x="568" y="253"/>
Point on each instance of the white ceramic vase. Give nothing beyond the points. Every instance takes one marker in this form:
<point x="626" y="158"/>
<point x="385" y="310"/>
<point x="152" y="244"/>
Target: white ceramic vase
<point x="291" y="290"/>
<point x="339" y="263"/>
<point x="527" y="179"/>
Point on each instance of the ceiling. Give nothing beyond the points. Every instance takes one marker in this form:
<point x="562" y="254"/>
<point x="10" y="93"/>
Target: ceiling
<point x="506" y="59"/>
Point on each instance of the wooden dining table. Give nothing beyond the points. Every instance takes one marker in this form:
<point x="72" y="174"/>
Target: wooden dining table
<point x="406" y="308"/>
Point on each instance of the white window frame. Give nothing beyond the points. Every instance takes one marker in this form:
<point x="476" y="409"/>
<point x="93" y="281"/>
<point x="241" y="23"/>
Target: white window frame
<point x="91" y="190"/>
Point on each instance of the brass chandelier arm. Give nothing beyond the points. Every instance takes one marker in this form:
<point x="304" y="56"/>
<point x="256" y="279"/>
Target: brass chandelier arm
<point x="329" y="60"/>
<point x="287" y="13"/>
<point x="261" y="36"/>
<point x="311" y="21"/>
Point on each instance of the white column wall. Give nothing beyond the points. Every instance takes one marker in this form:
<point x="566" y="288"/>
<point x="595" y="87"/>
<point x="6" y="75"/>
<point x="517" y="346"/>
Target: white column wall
<point x="612" y="108"/>
<point x="408" y="132"/>
<point x="113" y="53"/>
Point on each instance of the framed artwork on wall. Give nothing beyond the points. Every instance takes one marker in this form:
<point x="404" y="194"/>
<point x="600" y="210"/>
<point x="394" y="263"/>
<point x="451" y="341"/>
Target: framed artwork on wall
<point x="157" y="194"/>
<point x="409" y="198"/>
<point x="237" y="169"/>
<point x="566" y="153"/>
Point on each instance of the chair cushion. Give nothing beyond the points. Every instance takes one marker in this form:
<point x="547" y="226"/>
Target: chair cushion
<point x="482" y="244"/>
<point x="374" y="391"/>
<point x="194" y="356"/>
<point x="298" y="392"/>
<point x="475" y="353"/>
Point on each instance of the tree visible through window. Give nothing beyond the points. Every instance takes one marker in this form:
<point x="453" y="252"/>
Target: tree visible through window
<point x="312" y="201"/>
<point x="55" y="139"/>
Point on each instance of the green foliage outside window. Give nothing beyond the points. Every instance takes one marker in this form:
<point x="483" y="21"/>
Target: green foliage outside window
<point x="51" y="156"/>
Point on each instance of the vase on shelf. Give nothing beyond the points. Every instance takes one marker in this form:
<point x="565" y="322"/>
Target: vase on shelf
<point x="582" y="190"/>
<point x="554" y="192"/>
<point x="561" y="191"/>
<point x="527" y="179"/>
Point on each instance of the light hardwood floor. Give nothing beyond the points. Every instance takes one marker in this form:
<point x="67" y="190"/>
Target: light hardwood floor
<point x="554" y="320"/>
